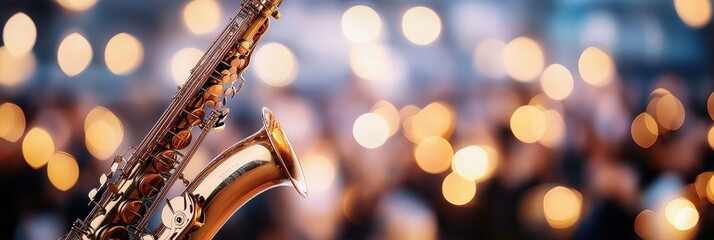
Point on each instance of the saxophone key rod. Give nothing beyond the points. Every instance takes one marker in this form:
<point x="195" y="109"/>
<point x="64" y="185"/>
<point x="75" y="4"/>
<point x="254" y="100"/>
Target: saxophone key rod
<point x="179" y="169"/>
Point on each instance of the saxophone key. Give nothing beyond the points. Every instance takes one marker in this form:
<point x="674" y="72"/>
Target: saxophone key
<point x="213" y="92"/>
<point x="181" y="139"/>
<point x="165" y="161"/>
<point x="233" y="78"/>
<point x="150" y="184"/>
<point x="92" y="194"/>
<point x="112" y="232"/>
<point x="210" y="104"/>
<point x="244" y="47"/>
<point x="131" y="211"/>
<point x="195" y="117"/>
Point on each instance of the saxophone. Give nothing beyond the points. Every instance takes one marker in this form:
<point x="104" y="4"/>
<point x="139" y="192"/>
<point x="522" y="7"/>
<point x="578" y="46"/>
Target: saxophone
<point x="138" y="182"/>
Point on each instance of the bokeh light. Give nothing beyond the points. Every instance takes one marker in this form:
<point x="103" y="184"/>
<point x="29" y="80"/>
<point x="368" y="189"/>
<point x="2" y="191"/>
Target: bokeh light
<point x="182" y="62"/>
<point x="554" y="129"/>
<point x="361" y="24"/>
<point x="37" y="147"/>
<point x="523" y="59"/>
<point x="19" y="34"/>
<point x="645" y="224"/>
<point x="370" y="130"/>
<point x="77" y="5"/>
<point x="471" y="162"/>
<point x="320" y="172"/>
<point x="389" y="113"/>
<point x="488" y="58"/>
<point x="103" y="132"/>
<point x="376" y="63"/>
<point x="433" y="154"/>
<point x="458" y="190"/>
<point x="15" y="70"/>
<point x="436" y="119"/>
<point x="62" y="170"/>
<point x="694" y="13"/>
<point x="202" y="16"/>
<point x="275" y="64"/>
<point x="644" y="130"/>
<point x="421" y="25"/>
<point x="74" y="54"/>
<point x="12" y="122"/>
<point x="596" y="67"/>
<point x="528" y="124"/>
<point x="669" y="112"/>
<point x="123" y="54"/>
<point x="681" y="214"/>
<point x="557" y="82"/>
<point x="562" y="207"/>
<point x="710" y="189"/>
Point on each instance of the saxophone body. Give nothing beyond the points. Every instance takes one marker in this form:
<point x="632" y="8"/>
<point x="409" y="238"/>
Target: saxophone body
<point x="129" y="195"/>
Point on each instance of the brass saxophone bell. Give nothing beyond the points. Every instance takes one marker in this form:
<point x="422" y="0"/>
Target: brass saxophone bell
<point x="249" y="167"/>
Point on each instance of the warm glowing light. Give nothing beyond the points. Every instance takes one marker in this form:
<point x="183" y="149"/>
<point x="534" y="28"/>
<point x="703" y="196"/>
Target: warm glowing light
<point x="373" y="62"/>
<point x="669" y="112"/>
<point x="543" y="102"/>
<point x="528" y="124"/>
<point x="681" y="213"/>
<point x="15" y="70"/>
<point x="710" y="106"/>
<point x="471" y="162"/>
<point x="389" y="113"/>
<point x="12" y="122"/>
<point x="74" y="54"/>
<point x="62" y="170"/>
<point x="710" y="189"/>
<point x="361" y="24"/>
<point x="644" y="130"/>
<point x="458" y="190"/>
<point x="596" y="67"/>
<point x="321" y="172"/>
<point x="433" y="154"/>
<point x="421" y="25"/>
<point x="370" y="130"/>
<point x="523" y="59"/>
<point x="554" y="129"/>
<point x="436" y="119"/>
<point x="710" y="137"/>
<point x="19" y="34"/>
<point x="201" y="16"/>
<point x="37" y="147"/>
<point x="645" y="224"/>
<point x="562" y="207"/>
<point x="182" y="63"/>
<point x="557" y="82"/>
<point x="103" y="132"/>
<point x="694" y="13"/>
<point x="123" y="54"/>
<point x="77" y="5"/>
<point x="488" y="58"/>
<point x="275" y="65"/>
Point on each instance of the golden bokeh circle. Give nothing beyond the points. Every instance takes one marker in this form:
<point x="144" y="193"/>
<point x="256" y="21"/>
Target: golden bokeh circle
<point x="433" y="154"/>
<point x="62" y="171"/>
<point x="523" y="59"/>
<point x="458" y="190"/>
<point x="37" y="147"/>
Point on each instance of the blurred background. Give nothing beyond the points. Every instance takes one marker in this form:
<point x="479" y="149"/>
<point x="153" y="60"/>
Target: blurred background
<point x="483" y="119"/>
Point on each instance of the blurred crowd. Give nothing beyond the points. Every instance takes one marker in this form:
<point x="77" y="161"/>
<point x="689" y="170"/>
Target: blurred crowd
<point x="483" y="119"/>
